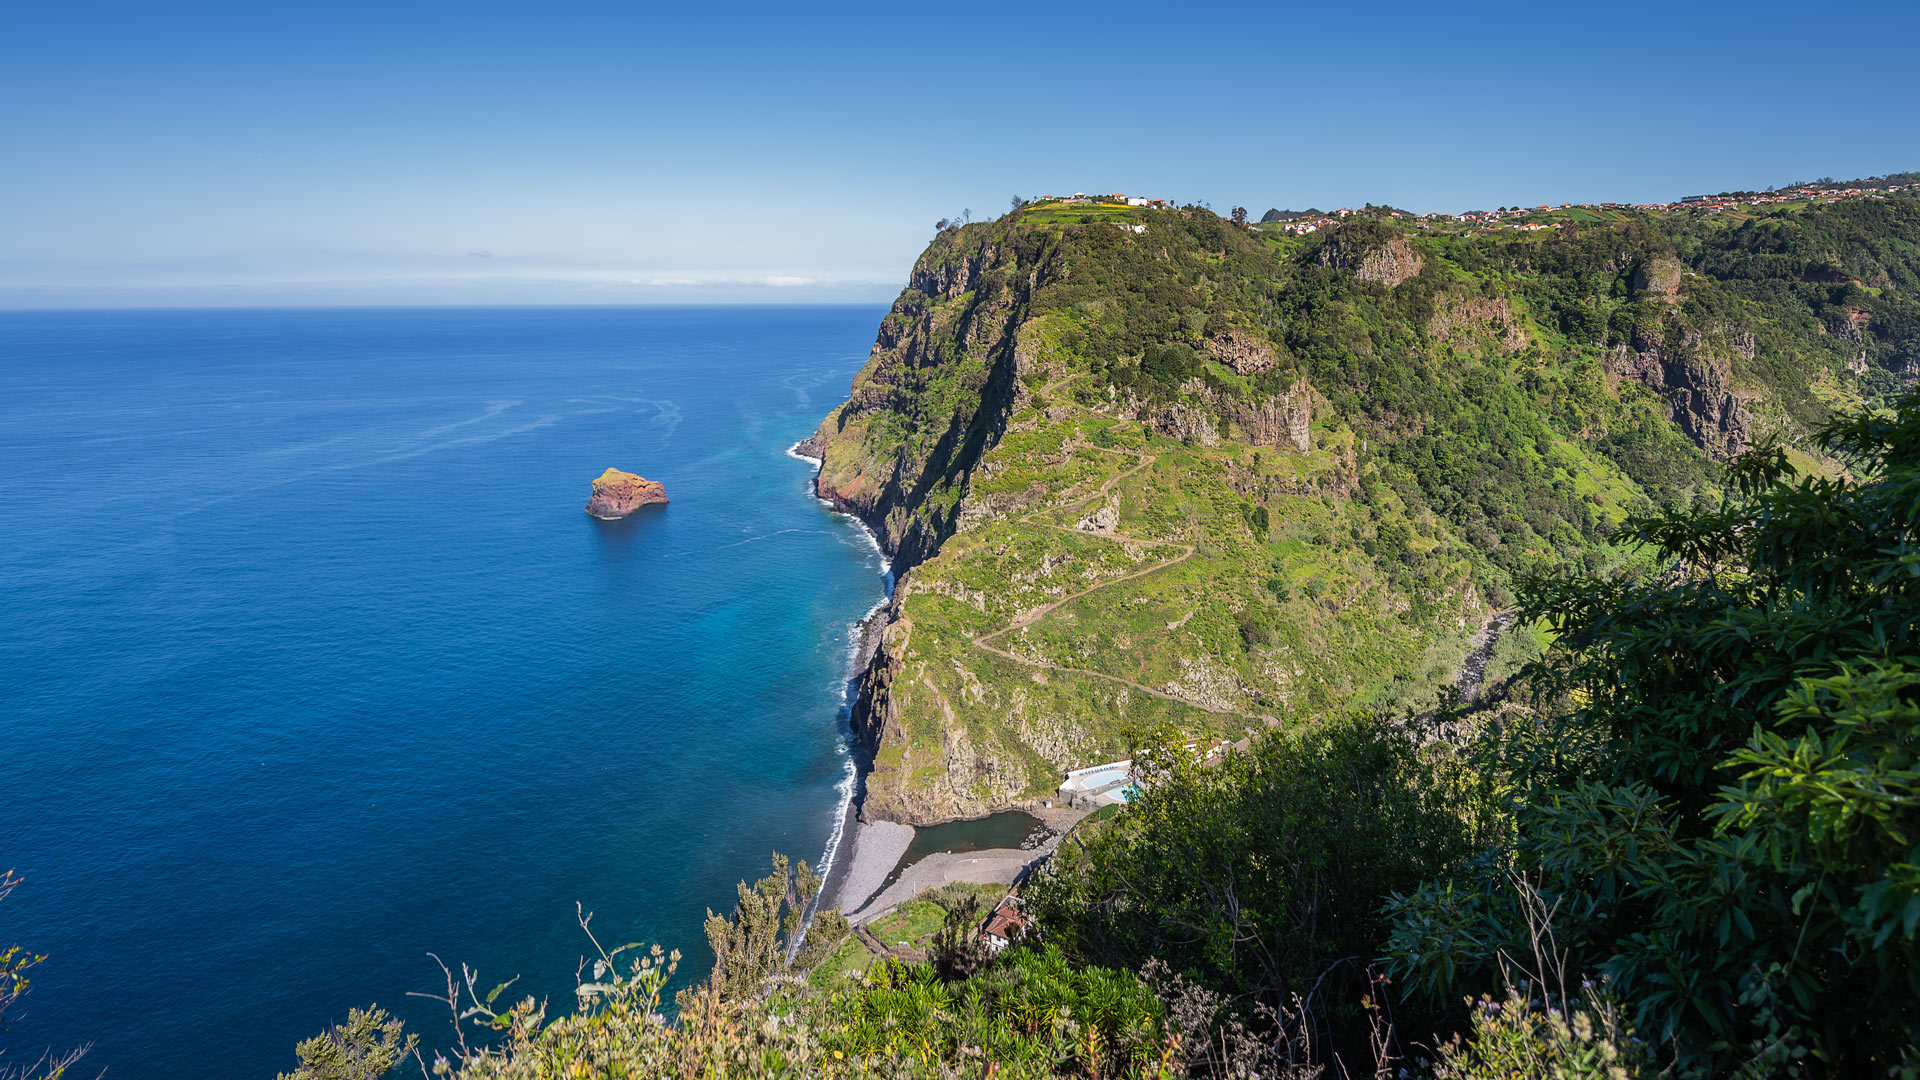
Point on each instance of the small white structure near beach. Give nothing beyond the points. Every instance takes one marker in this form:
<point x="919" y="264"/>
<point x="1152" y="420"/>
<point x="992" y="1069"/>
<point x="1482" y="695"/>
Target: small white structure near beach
<point x="1098" y="785"/>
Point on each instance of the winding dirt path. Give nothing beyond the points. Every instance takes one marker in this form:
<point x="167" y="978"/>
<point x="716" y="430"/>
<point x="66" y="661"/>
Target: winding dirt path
<point x="1029" y="617"/>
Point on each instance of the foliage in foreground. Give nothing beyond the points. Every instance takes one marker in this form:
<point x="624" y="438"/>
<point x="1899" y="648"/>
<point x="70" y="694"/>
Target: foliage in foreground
<point x="1726" y="813"/>
<point x="1265" y="874"/>
<point x="15" y="962"/>
<point x="366" y="1047"/>
<point x="1034" y="1015"/>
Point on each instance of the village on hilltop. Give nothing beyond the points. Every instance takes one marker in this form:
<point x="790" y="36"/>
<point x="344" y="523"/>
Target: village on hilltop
<point x="1517" y="218"/>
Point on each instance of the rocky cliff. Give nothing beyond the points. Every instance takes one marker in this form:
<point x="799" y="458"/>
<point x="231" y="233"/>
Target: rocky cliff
<point x="617" y="494"/>
<point x="1204" y="414"/>
<point x="1688" y="365"/>
<point x="1386" y="259"/>
<point x="1180" y="473"/>
<point x="936" y="390"/>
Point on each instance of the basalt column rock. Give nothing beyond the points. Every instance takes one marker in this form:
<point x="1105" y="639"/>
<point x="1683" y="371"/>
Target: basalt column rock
<point x="617" y="494"/>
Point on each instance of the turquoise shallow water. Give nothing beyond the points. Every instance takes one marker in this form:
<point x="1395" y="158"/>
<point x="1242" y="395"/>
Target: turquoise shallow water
<point x="313" y="664"/>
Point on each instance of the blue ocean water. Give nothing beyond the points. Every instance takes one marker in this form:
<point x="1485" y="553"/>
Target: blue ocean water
<point x="311" y="663"/>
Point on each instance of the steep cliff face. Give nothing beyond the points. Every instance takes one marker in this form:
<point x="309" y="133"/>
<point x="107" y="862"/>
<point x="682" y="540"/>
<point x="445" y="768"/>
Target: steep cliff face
<point x="1180" y="473"/>
<point x="1460" y="319"/>
<point x="936" y="392"/>
<point x="1659" y="276"/>
<point x="936" y="389"/>
<point x="1693" y="371"/>
<point x="1243" y="351"/>
<point x="1203" y="415"/>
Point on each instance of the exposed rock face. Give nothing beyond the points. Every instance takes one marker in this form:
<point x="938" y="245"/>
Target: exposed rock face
<point x="1696" y="384"/>
<point x="1189" y="421"/>
<point x="1659" y="276"/>
<point x="1277" y="420"/>
<point x="954" y="325"/>
<point x="1242" y="351"/>
<point x="1853" y="328"/>
<point x="1102" y="520"/>
<point x="1388" y="262"/>
<point x="1457" y="319"/>
<point x="617" y="494"/>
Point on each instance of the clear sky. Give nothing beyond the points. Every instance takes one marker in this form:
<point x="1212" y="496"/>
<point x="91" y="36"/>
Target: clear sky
<point x="394" y="152"/>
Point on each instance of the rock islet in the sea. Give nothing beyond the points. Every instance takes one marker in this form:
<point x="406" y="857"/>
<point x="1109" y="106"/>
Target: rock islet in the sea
<point x="617" y="494"/>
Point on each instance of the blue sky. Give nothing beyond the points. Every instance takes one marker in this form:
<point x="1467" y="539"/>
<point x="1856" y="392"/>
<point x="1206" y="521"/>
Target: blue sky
<point x="212" y="154"/>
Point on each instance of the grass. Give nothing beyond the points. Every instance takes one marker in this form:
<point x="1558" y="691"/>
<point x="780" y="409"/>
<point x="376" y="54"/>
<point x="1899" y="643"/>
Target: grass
<point x="909" y="925"/>
<point x="1232" y="587"/>
<point x="1160" y="610"/>
<point x="850" y="959"/>
<point x="1060" y="212"/>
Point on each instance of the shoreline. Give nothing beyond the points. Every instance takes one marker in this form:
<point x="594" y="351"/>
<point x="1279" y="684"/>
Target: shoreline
<point x="851" y="845"/>
<point x="985" y="866"/>
<point x="861" y="855"/>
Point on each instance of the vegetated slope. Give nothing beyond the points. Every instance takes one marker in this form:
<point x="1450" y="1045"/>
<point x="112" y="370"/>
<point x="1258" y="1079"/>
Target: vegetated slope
<point x="1170" y="469"/>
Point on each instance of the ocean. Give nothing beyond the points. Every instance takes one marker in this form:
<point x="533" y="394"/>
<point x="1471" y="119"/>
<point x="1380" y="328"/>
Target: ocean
<point x="311" y="663"/>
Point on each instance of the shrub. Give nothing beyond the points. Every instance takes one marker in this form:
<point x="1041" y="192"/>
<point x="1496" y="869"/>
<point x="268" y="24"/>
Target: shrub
<point x="1725" y="804"/>
<point x="1264" y="873"/>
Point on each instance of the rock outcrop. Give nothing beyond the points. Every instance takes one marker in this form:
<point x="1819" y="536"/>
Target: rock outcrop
<point x="1240" y="350"/>
<point x="1459" y="319"/>
<point x="899" y="452"/>
<point x="1277" y="420"/>
<point x="1674" y="360"/>
<point x="1659" y="276"/>
<point x="617" y="494"/>
<point x="1389" y="260"/>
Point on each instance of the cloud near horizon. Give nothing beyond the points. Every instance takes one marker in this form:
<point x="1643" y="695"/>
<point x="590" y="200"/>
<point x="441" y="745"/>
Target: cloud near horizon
<point x="476" y="277"/>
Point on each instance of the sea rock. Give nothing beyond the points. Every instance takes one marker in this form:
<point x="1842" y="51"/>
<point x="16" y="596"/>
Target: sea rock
<point x="617" y="494"/>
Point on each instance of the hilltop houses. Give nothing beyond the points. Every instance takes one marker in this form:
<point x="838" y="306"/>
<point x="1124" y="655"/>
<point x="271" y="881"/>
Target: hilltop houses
<point x="1119" y="198"/>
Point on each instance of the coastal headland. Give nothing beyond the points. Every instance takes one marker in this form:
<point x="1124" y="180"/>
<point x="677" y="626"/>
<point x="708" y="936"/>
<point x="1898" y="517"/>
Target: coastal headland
<point x="1124" y="489"/>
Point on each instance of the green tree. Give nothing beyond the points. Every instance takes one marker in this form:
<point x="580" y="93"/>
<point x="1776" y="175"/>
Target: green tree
<point x="366" y="1047"/>
<point x="15" y="962"/>
<point x="1263" y="873"/>
<point x="763" y="932"/>
<point x="1725" y="811"/>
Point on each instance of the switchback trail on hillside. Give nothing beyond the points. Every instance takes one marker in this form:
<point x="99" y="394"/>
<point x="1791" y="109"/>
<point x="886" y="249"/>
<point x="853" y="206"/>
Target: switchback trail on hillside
<point x="1029" y="617"/>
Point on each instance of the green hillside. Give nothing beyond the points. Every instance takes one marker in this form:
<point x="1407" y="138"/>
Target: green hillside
<point x="1232" y="479"/>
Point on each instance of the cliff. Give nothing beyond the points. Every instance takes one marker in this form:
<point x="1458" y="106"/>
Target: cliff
<point x="935" y="391"/>
<point x="1185" y="473"/>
